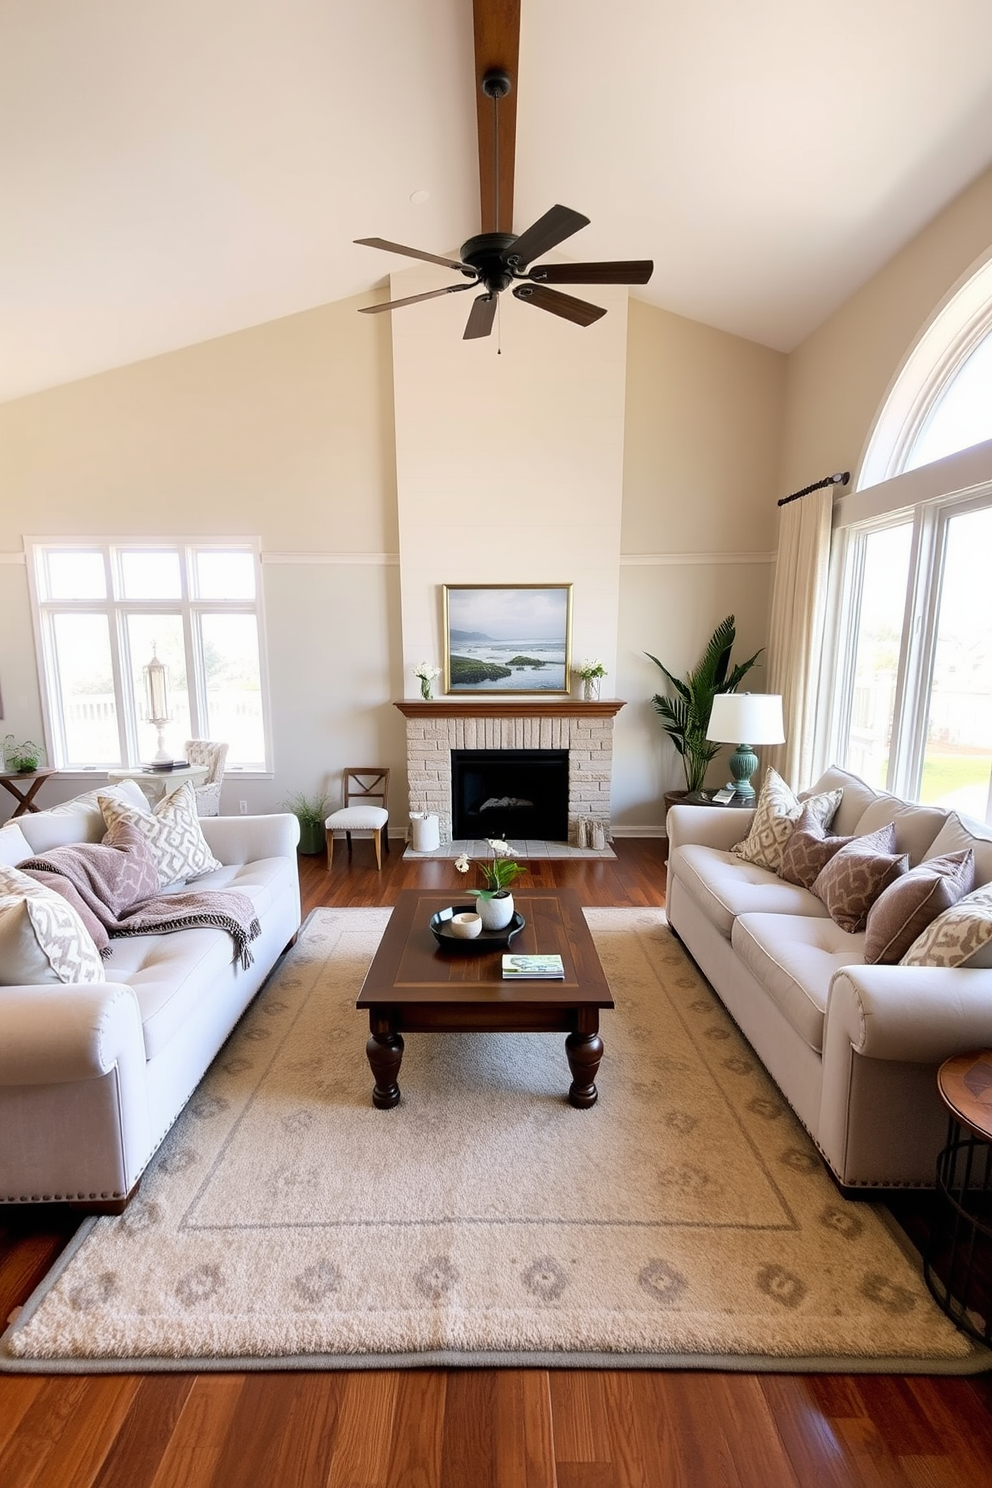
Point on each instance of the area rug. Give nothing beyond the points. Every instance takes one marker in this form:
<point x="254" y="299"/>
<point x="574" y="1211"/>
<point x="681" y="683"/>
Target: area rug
<point x="683" y="1221"/>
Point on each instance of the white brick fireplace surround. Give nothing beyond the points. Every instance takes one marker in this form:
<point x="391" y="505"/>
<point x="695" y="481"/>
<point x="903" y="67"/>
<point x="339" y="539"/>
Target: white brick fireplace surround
<point x="435" y="728"/>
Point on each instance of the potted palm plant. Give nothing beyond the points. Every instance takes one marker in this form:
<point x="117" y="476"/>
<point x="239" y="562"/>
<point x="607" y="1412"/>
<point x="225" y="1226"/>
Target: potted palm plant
<point x="310" y="810"/>
<point x="686" y="716"/>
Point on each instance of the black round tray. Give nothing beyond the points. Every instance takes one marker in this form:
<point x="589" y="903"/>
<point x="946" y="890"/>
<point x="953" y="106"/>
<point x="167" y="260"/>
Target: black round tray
<point x="486" y="940"/>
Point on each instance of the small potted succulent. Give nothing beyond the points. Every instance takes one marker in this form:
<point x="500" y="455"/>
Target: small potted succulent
<point x="23" y="758"/>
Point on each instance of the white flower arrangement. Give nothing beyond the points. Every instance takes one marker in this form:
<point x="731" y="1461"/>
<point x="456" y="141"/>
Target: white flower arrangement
<point x="499" y="874"/>
<point x="590" y="669"/>
<point x="427" y="673"/>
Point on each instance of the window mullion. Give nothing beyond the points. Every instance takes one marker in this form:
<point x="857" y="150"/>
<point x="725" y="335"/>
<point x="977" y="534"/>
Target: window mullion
<point x="909" y="720"/>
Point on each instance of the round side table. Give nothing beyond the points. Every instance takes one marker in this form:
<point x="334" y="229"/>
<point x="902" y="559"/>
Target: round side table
<point x="705" y="798"/>
<point x="957" y="1264"/>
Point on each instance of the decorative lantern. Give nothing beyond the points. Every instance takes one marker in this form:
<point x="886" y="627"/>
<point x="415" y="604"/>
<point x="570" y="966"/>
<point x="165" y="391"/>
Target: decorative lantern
<point x="157" y="700"/>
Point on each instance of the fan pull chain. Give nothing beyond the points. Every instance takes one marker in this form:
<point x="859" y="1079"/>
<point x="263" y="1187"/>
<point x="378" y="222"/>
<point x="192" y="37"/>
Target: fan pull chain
<point x="499" y="327"/>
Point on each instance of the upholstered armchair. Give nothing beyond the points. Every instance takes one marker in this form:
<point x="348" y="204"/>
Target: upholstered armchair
<point x="205" y="752"/>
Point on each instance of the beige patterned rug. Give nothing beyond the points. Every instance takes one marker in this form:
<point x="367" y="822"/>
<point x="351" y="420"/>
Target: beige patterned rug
<point x="684" y="1221"/>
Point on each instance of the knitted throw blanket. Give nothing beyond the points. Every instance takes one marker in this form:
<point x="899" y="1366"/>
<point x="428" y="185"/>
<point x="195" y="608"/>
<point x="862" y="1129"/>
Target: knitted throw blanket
<point x="116" y="881"/>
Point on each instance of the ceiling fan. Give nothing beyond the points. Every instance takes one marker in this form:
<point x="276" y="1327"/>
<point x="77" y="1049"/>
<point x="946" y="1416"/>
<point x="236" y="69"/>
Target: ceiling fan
<point x="496" y="257"/>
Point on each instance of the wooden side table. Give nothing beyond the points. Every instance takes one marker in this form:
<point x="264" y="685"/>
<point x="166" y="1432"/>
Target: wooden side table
<point x="32" y="780"/>
<point x="705" y="798"/>
<point x="957" y="1265"/>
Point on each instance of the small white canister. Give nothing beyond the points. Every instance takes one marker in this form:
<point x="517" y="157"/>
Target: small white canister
<point x="425" y="832"/>
<point x="597" y="836"/>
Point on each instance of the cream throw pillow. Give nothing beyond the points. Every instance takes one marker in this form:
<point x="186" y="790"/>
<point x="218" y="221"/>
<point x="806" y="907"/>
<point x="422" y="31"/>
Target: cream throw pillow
<point x="42" y="938"/>
<point x="960" y="934"/>
<point x="775" y="817"/>
<point x="172" y="831"/>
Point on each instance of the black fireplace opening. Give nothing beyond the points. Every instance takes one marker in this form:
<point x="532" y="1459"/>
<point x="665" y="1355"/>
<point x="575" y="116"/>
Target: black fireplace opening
<point x="510" y="793"/>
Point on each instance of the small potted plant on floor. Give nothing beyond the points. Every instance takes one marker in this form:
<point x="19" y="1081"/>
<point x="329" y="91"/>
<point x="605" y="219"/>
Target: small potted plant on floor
<point x="310" y="811"/>
<point x="686" y="716"/>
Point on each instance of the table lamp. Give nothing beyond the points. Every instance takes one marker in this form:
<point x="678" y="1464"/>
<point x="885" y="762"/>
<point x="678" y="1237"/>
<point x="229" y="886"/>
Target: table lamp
<point x="755" y="716"/>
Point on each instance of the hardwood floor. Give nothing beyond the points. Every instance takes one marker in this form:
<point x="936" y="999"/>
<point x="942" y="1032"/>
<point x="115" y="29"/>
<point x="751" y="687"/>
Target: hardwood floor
<point x="478" y="1428"/>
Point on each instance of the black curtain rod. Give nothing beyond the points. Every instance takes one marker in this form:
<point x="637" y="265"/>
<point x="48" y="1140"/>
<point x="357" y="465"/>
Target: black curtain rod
<point x="840" y="479"/>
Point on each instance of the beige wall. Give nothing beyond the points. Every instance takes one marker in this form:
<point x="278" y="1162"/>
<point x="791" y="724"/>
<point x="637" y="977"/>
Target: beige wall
<point x="838" y="378"/>
<point x="702" y="443"/>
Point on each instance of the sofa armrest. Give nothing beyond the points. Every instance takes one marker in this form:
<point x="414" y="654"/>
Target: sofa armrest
<point x="53" y="1035"/>
<point x="246" y="839"/>
<point x="710" y="826"/>
<point x="915" y="1014"/>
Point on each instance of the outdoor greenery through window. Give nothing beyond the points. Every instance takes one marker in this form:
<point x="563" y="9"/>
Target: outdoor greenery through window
<point x="912" y="700"/>
<point x="106" y="610"/>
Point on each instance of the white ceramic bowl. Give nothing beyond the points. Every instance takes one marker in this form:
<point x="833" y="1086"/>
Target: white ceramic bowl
<point x="466" y="926"/>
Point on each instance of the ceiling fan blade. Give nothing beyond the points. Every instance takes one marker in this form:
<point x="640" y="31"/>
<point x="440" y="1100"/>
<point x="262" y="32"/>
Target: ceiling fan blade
<point x="432" y="294"/>
<point x="446" y="263"/>
<point x="481" y="317"/>
<point x="580" y="312"/>
<point x="546" y="233"/>
<point x="497" y="45"/>
<point x="628" y="271"/>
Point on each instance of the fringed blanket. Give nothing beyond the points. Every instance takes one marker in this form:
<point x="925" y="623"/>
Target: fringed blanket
<point x="116" y="881"/>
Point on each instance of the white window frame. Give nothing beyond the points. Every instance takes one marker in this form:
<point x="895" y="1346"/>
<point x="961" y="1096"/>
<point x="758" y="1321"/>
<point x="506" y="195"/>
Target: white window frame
<point x="188" y="607"/>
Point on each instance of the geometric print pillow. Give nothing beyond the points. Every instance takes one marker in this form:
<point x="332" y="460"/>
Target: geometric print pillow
<point x="42" y="938"/>
<point x="958" y="935"/>
<point x="808" y="850"/>
<point x="775" y="817"/>
<point x="858" y="875"/>
<point x="172" y="832"/>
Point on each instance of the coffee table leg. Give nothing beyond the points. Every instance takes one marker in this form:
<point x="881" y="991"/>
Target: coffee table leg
<point x="584" y="1051"/>
<point x="385" y="1053"/>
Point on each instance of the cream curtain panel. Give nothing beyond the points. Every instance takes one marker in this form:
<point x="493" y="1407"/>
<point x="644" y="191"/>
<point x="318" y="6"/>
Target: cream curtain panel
<point x="795" y="641"/>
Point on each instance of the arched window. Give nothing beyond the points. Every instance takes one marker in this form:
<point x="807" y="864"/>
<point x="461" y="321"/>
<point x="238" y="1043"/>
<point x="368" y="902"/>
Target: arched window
<point x="910" y="686"/>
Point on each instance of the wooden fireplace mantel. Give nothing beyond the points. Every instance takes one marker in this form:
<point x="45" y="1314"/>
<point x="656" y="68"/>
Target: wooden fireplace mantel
<point x="490" y="707"/>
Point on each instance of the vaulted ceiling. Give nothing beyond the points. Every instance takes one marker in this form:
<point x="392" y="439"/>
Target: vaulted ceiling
<point x="172" y="170"/>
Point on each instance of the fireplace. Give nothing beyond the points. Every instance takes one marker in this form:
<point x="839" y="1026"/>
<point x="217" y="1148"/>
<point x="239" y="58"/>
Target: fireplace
<point x="518" y="793"/>
<point x="438" y="728"/>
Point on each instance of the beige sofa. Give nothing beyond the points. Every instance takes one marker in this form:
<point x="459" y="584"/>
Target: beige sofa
<point x="854" y="1048"/>
<point x="92" y="1076"/>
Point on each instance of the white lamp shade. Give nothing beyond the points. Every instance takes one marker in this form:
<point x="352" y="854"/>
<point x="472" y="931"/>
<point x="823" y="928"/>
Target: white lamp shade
<point x="746" y="718"/>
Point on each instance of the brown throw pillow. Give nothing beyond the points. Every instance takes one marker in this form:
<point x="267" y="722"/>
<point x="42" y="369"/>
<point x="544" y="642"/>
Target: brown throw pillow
<point x="857" y="874"/>
<point x="808" y="850"/>
<point x="907" y="907"/>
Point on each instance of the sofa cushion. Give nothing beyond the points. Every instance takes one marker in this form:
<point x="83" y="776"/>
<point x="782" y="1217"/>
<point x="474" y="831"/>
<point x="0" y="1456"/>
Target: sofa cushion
<point x="724" y="887"/>
<point x="808" y="850"/>
<point x="42" y="938"/>
<point x="856" y="796"/>
<point x="14" y="846"/>
<point x="170" y="976"/>
<point x="775" y="816"/>
<point x="904" y="910"/>
<point x="961" y="936"/>
<point x="916" y="826"/>
<point x="962" y="832"/>
<point x="856" y="875"/>
<point x="78" y="820"/>
<point x="261" y="881"/>
<point x="794" y="958"/>
<point x="172" y="831"/>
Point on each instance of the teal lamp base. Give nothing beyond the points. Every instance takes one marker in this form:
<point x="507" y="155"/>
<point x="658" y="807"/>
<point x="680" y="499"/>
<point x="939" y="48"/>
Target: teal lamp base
<point x="743" y="763"/>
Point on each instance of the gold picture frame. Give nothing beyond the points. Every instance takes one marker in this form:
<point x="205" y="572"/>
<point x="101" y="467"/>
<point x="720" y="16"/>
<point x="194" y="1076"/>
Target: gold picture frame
<point x="507" y="639"/>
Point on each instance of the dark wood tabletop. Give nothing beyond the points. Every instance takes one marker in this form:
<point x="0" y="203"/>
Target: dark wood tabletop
<point x="965" y="1084"/>
<point x="415" y="985"/>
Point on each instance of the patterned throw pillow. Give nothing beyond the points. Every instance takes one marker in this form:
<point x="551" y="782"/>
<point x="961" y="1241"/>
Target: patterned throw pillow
<point x="42" y="938"/>
<point x="856" y="876"/>
<point x="777" y="812"/>
<point x="808" y="850"/>
<point x="172" y="831"/>
<point x="956" y="936"/>
<point x="901" y="914"/>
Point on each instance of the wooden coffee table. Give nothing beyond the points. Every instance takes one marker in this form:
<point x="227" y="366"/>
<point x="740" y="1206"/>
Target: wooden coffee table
<point x="415" y="985"/>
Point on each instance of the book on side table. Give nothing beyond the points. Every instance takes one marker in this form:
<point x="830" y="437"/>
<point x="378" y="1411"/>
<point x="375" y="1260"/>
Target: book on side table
<point x="520" y="967"/>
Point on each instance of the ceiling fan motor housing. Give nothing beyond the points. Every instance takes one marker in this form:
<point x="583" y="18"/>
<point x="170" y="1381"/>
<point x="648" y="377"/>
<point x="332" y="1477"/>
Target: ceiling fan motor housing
<point x="487" y="253"/>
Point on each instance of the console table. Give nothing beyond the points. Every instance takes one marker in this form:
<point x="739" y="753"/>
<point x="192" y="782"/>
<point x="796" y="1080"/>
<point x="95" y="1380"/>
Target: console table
<point x="33" y="780"/>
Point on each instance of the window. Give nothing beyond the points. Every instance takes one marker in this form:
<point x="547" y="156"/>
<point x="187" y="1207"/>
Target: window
<point x="106" y="610"/>
<point x="915" y="716"/>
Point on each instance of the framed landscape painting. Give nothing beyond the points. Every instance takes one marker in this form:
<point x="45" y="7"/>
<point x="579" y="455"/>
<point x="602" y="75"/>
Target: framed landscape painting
<point x="507" y="638"/>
